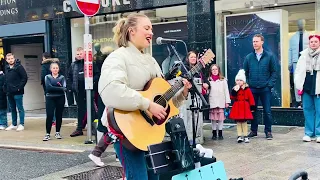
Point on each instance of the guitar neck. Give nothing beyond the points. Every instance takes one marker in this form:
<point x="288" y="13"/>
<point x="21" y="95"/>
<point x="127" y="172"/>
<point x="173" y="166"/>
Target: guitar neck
<point x="179" y="84"/>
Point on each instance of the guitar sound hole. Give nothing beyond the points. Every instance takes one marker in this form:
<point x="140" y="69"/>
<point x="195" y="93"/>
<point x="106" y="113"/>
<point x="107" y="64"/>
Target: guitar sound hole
<point x="161" y="101"/>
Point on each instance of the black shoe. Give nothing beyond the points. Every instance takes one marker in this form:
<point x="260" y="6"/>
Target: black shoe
<point x="214" y="135"/>
<point x="220" y="135"/>
<point x="240" y="139"/>
<point x="252" y="134"/>
<point x="269" y="136"/>
<point x="76" y="133"/>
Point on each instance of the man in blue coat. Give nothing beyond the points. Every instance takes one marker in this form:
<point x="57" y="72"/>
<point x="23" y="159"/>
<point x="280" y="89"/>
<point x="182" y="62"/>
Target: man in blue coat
<point x="261" y="72"/>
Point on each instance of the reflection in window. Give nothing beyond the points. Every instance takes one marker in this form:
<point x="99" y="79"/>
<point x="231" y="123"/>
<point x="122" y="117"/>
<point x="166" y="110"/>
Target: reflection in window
<point x="101" y="28"/>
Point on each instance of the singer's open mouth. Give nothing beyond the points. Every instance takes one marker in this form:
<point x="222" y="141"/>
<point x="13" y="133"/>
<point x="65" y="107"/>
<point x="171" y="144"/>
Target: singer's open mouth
<point x="148" y="39"/>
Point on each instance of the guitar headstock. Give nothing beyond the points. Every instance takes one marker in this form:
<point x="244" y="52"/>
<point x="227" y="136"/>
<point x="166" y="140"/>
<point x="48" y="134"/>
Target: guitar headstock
<point x="207" y="57"/>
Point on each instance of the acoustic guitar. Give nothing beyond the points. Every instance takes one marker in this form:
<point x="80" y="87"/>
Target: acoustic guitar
<point x="140" y="128"/>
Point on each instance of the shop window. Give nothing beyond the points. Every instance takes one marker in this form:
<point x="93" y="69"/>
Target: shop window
<point x="234" y="25"/>
<point x="167" y="22"/>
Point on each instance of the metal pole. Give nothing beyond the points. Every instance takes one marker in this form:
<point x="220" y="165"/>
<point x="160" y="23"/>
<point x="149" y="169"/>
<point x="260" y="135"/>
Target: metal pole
<point x="88" y="91"/>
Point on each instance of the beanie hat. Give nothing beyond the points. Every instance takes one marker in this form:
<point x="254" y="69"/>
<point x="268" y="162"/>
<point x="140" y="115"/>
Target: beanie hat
<point x="241" y="76"/>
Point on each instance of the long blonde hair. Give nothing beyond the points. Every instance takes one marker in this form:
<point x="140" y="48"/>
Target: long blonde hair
<point x="121" y="30"/>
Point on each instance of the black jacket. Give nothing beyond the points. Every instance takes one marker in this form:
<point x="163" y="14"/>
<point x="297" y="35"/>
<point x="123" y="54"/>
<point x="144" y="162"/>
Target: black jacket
<point x="3" y="96"/>
<point x="16" y="79"/>
<point x="55" y="86"/>
<point x="45" y="67"/>
<point x="76" y="79"/>
<point x="263" y="73"/>
<point x="97" y="65"/>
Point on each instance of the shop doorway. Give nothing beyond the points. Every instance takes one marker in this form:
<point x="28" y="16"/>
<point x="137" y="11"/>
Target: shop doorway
<point x="30" y="56"/>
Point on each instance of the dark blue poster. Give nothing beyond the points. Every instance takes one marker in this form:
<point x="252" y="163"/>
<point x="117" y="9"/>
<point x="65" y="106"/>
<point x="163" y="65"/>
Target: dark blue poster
<point x="164" y="54"/>
<point x="240" y="30"/>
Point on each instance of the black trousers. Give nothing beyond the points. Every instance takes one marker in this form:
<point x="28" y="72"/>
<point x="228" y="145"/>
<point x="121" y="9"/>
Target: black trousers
<point x="101" y="145"/>
<point x="54" y="105"/>
<point x="81" y="99"/>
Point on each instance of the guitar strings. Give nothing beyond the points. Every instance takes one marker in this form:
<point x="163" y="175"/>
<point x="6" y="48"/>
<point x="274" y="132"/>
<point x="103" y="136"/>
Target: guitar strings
<point x="171" y="90"/>
<point x="164" y="98"/>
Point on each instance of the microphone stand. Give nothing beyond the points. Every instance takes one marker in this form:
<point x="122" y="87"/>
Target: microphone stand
<point x="194" y="90"/>
<point x="198" y="158"/>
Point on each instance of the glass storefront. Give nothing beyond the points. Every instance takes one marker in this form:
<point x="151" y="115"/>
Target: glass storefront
<point x="169" y="22"/>
<point x="279" y="22"/>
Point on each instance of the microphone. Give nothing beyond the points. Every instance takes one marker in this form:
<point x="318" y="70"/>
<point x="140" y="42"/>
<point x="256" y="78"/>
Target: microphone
<point x="161" y="40"/>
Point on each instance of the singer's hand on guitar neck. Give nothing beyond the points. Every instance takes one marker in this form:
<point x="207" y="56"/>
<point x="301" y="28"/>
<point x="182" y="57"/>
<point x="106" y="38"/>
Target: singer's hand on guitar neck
<point x="187" y="86"/>
<point x="157" y="110"/>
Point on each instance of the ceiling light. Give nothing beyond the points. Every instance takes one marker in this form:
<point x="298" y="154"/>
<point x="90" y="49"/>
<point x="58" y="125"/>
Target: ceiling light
<point x="276" y="3"/>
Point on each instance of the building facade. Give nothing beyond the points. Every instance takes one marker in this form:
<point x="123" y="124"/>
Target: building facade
<point x="30" y="27"/>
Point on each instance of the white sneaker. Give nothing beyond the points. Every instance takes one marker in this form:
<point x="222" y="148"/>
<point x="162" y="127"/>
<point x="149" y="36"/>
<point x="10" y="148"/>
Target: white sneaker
<point x="20" y="128"/>
<point x="2" y="127"/>
<point x="246" y="140"/>
<point x="307" y="139"/>
<point x="11" y="127"/>
<point x="96" y="160"/>
<point x="318" y="140"/>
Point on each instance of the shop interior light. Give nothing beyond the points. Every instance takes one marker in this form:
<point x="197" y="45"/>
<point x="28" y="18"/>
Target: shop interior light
<point x="276" y="3"/>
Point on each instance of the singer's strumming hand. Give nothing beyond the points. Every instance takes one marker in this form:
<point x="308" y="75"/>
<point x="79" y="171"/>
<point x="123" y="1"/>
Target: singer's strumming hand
<point x="157" y="110"/>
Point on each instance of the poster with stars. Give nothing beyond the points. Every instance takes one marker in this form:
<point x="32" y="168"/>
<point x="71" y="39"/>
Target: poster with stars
<point x="239" y="32"/>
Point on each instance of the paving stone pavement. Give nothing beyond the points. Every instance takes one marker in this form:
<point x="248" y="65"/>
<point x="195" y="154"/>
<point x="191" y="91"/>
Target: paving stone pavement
<point x="263" y="159"/>
<point x="260" y="159"/>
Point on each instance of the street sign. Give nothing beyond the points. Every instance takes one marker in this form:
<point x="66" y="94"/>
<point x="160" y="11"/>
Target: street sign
<point x="88" y="7"/>
<point x="88" y="66"/>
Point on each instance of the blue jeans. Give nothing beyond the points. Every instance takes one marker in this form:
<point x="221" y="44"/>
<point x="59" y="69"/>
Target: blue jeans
<point x="135" y="164"/>
<point x="16" y="101"/>
<point x="264" y="94"/>
<point x="3" y="117"/>
<point x="311" y="111"/>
